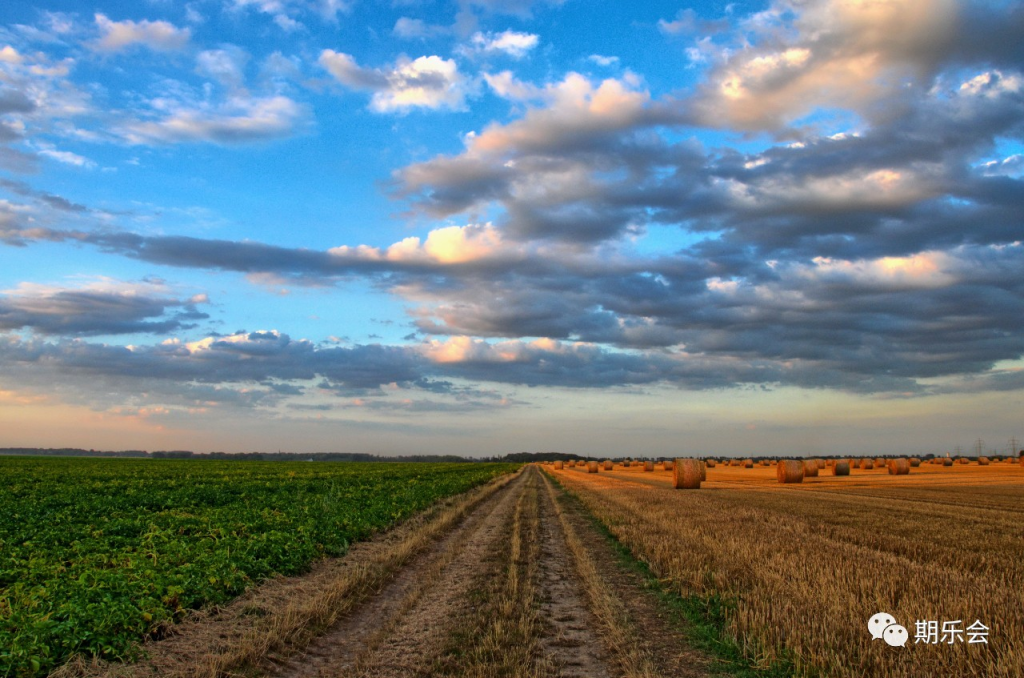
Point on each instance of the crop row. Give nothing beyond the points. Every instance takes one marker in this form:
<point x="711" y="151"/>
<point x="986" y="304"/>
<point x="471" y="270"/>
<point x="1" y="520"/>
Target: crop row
<point x="96" y="554"/>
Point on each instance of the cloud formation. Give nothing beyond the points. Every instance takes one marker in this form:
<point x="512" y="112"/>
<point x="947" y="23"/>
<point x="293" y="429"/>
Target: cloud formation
<point x="797" y="57"/>
<point x="117" y="36"/>
<point x="101" y="308"/>
<point x="836" y="204"/>
<point x="425" y="82"/>
<point x="236" y="120"/>
<point x="510" y="43"/>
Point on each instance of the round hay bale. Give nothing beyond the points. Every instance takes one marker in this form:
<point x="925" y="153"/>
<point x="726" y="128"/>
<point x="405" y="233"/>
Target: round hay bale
<point x="867" y="463"/>
<point x="608" y="465"/>
<point x="591" y="467"/>
<point x="789" y="471"/>
<point x="667" y="465"/>
<point x="811" y="468"/>
<point x="648" y="466"/>
<point x="686" y="474"/>
<point x="947" y="461"/>
<point x="899" y="467"/>
<point x="841" y="468"/>
<point x="711" y="463"/>
<point x="625" y="464"/>
<point x="879" y="462"/>
<point x="982" y="461"/>
<point x="703" y="471"/>
<point x="558" y="466"/>
<point x="914" y="462"/>
<point x="749" y="463"/>
<point x="820" y="463"/>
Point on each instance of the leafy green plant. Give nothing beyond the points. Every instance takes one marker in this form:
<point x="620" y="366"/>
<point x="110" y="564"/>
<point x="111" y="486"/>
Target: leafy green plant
<point x="97" y="554"/>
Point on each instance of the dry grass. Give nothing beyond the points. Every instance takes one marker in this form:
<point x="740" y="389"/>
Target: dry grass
<point x="500" y="641"/>
<point x="806" y="565"/>
<point x="619" y="633"/>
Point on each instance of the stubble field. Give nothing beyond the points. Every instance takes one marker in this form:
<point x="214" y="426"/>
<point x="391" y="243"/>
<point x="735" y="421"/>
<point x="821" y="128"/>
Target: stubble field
<point x="799" y="569"/>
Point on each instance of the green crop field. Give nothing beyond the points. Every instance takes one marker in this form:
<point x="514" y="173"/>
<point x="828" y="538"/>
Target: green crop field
<point x="96" y="554"/>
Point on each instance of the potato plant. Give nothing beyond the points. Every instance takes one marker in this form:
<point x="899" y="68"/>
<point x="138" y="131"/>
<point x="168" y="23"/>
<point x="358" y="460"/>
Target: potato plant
<point x="97" y="554"/>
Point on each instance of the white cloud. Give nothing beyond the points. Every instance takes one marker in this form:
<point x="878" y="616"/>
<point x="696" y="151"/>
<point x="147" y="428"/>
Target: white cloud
<point x="685" y="22"/>
<point x="283" y="12"/>
<point x="511" y="43"/>
<point x="226" y="65"/>
<point x="68" y="158"/>
<point x="408" y="28"/>
<point x="602" y="60"/>
<point x="507" y="86"/>
<point x="157" y="35"/>
<point x="193" y="15"/>
<point x="797" y="57"/>
<point x="346" y="71"/>
<point x="237" y="120"/>
<point x="330" y="9"/>
<point x="992" y="84"/>
<point x="287" y="24"/>
<point x="447" y="245"/>
<point x="425" y="82"/>
<point x="575" y="106"/>
<point x="9" y="55"/>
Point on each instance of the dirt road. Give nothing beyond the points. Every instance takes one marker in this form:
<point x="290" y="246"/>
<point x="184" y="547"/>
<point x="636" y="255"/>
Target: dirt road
<point x="511" y="580"/>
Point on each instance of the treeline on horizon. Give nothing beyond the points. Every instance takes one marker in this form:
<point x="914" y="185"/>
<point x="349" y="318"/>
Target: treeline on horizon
<point x="515" y="457"/>
<point x="232" y="456"/>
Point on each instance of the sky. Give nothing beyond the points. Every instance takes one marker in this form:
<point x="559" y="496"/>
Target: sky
<point x="484" y="226"/>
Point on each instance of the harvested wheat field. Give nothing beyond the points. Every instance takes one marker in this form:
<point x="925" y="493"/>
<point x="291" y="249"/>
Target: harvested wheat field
<point x="800" y="568"/>
<point x="509" y="579"/>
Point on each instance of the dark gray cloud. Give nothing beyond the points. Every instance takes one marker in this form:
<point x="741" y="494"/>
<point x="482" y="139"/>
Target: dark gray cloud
<point x="85" y="312"/>
<point x="263" y="369"/>
<point x="55" y="201"/>
<point x="15" y="101"/>
<point x="932" y="314"/>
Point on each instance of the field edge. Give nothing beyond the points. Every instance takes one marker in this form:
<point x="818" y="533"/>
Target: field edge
<point x="700" y="618"/>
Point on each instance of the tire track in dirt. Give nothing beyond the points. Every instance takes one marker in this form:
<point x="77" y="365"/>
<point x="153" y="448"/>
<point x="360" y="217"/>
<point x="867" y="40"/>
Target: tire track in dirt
<point x="400" y="630"/>
<point x="568" y="639"/>
<point x="642" y="643"/>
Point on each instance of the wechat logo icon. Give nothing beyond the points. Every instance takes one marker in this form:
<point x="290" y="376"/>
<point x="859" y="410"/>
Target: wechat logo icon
<point x="883" y="625"/>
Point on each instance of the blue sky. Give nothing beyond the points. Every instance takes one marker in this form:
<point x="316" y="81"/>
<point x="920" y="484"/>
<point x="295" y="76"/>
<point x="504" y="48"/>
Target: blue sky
<point x="483" y="227"/>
